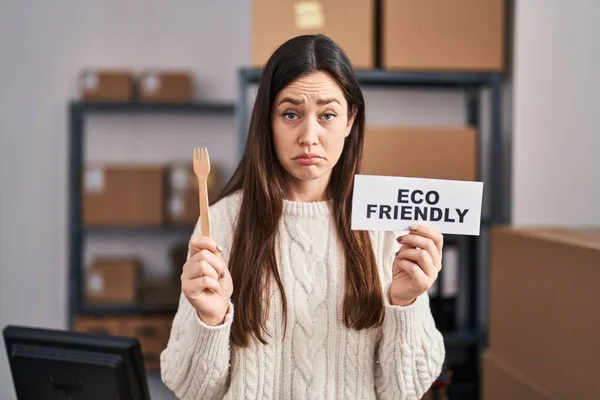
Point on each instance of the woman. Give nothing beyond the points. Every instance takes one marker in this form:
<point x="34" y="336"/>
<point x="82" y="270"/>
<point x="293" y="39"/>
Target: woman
<point x="285" y="301"/>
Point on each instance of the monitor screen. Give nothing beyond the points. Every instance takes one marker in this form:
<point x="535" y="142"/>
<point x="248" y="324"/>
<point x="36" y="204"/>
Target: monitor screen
<point x="54" y="364"/>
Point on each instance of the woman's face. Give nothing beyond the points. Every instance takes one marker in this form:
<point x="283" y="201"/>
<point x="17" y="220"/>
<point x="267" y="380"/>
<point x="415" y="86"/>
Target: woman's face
<point x="310" y="124"/>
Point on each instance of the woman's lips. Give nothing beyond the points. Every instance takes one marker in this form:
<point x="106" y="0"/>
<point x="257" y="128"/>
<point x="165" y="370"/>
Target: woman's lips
<point x="308" y="159"/>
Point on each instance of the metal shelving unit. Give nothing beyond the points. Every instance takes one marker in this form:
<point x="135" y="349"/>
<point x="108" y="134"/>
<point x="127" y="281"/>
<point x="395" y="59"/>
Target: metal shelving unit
<point x="473" y="336"/>
<point x="78" y="111"/>
<point x="471" y="248"/>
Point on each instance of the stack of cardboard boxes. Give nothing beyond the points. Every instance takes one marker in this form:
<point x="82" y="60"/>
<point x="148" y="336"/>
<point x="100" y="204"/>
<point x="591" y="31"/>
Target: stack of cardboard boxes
<point x="148" y="86"/>
<point x="544" y="329"/>
<point x="423" y="35"/>
<point x="427" y="152"/>
<point x="142" y="196"/>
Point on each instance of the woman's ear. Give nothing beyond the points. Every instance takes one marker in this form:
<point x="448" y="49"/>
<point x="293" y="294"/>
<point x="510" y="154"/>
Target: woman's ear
<point x="351" y="120"/>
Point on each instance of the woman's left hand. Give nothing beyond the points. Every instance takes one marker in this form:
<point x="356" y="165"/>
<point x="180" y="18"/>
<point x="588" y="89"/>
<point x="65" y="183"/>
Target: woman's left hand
<point x="416" y="265"/>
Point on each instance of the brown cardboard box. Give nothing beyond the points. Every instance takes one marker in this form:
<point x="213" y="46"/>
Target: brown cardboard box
<point x="106" y="85"/>
<point x="458" y="35"/>
<point x="98" y="325"/>
<point x="166" y="86"/>
<point x="113" y="281"/>
<point x="153" y="333"/>
<point x="183" y="202"/>
<point x="501" y="382"/>
<point x="183" y="207"/>
<point x="123" y="195"/>
<point x="161" y="292"/>
<point x="544" y="302"/>
<point x="423" y="152"/>
<point x="349" y="22"/>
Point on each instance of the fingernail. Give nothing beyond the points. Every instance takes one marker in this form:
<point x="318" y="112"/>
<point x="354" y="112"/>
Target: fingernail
<point x="413" y="227"/>
<point x="398" y="252"/>
<point x="219" y="248"/>
<point x="399" y="238"/>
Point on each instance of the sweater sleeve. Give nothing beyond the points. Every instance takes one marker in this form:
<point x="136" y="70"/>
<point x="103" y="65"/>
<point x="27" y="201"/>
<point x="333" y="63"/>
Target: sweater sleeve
<point x="411" y="350"/>
<point x="195" y="363"/>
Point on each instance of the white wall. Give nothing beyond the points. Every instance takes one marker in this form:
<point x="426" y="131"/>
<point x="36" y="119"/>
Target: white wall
<point x="556" y="142"/>
<point x="42" y="48"/>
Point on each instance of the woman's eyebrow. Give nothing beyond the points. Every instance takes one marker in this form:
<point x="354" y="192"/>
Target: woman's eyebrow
<point x="296" y="102"/>
<point x="322" y="102"/>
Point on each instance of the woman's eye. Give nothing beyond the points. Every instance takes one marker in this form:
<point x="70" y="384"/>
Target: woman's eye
<point x="328" y="116"/>
<point x="289" y="115"/>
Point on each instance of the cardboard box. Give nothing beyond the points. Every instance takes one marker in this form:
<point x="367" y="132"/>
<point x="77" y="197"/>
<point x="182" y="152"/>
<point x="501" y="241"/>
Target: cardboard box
<point x="544" y="301"/>
<point x="153" y="333"/>
<point x="106" y="85"/>
<point x="458" y="35"/>
<point x="183" y="195"/>
<point x="161" y="292"/>
<point x="124" y="195"/>
<point x="113" y="281"/>
<point x="166" y="86"/>
<point x="349" y="22"/>
<point x="183" y="207"/>
<point x="98" y="325"/>
<point x="423" y="152"/>
<point x="501" y="382"/>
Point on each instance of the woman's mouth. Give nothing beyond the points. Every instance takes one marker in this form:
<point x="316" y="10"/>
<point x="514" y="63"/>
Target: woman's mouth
<point x="308" y="159"/>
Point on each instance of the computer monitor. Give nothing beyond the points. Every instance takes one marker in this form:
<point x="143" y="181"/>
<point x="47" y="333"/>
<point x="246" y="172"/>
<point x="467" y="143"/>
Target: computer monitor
<point x="61" y="365"/>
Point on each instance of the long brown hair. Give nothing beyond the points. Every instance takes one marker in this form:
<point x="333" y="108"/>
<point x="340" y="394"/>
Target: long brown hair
<point x="260" y="178"/>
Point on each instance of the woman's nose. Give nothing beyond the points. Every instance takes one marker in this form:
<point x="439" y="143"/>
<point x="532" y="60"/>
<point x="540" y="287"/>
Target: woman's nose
<point x="310" y="133"/>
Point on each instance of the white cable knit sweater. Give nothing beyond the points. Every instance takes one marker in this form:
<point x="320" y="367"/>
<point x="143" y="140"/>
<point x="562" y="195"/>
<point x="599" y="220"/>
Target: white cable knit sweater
<point x="319" y="358"/>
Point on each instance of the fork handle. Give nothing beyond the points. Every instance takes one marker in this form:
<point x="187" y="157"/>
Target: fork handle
<point x="204" y="217"/>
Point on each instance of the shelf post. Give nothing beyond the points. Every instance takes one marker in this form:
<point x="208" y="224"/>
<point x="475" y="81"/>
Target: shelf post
<point x="76" y="127"/>
<point x="499" y="197"/>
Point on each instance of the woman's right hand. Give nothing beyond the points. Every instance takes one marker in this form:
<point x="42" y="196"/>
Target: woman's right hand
<point x="206" y="282"/>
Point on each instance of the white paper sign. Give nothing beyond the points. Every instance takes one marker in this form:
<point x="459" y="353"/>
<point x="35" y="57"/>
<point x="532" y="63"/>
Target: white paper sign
<point x="389" y="203"/>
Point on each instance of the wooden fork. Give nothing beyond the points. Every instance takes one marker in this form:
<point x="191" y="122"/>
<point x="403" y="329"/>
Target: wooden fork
<point x="202" y="169"/>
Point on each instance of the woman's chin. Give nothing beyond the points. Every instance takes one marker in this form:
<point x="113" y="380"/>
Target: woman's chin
<point x="308" y="173"/>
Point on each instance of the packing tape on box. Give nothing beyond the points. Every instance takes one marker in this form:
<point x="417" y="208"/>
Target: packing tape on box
<point x="176" y="205"/>
<point x="180" y="177"/>
<point x="95" y="283"/>
<point x="90" y="80"/>
<point x="309" y="15"/>
<point x="94" y="179"/>
<point x="151" y="83"/>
